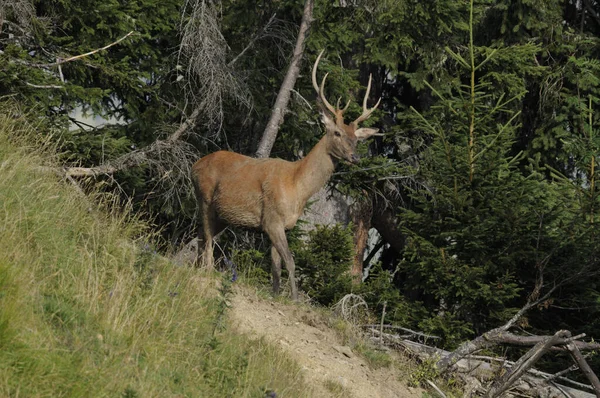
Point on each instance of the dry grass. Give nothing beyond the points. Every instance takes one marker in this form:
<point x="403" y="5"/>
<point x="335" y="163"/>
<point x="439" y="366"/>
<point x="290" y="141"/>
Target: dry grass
<point x="87" y="308"/>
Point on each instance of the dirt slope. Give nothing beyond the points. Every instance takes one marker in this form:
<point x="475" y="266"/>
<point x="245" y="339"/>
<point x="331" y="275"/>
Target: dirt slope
<point x="316" y="348"/>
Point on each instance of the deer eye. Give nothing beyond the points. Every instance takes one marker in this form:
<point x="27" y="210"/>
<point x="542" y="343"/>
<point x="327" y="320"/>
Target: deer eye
<point x="337" y="133"/>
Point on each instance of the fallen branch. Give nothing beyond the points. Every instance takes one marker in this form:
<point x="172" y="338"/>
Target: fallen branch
<point x="492" y="337"/>
<point x="484" y="370"/>
<point x="585" y="367"/>
<point x="410" y="331"/>
<point x="547" y="377"/>
<point x="436" y="388"/>
<point x="510" y="338"/>
<point x="525" y="363"/>
<point x="562" y="373"/>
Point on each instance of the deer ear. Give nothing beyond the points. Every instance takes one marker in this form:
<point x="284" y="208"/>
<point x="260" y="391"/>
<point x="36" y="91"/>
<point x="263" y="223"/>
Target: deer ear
<point x="364" y="132"/>
<point x="328" y="122"/>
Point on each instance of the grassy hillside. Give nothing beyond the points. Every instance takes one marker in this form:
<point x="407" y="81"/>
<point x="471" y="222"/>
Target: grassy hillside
<point x="88" y="309"/>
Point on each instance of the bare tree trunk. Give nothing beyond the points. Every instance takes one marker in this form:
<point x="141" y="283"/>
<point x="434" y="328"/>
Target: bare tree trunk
<point x="283" y="97"/>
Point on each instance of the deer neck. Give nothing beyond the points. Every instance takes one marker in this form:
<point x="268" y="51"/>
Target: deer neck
<point x="314" y="170"/>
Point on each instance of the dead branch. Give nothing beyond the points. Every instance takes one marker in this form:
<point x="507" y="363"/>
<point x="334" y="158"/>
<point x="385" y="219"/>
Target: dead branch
<point x="203" y="52"/>
<point x="46" y="86"/>
<point x="187" y="125"/>
<point x="480" y="366"/>
<point x="585" y="367"/>
<point x="410" y="331"/>
<point x="510" y="338"/>
<point x="486" y="340"/>
<point x="349" y="307"/>
<point x="436" y="388"/>
<point x="76" y="57"/>
<point x="524" y="363"/>
<point x="60" y="61"/>
<point x="382" y="318"/>
<point x="562" y="373"/>
<point x="253" y="40"/>
<point x="136" y="158"/>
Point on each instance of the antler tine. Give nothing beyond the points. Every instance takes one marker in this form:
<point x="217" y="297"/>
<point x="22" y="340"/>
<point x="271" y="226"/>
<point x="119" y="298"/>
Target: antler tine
<point x="314" y="72"/>
<point x="316" y="85"/>
<point x="367" y="112"/>
<point x="347" y="105"/>
<point x="322" y="96"/>
<point x="337" y="107"/>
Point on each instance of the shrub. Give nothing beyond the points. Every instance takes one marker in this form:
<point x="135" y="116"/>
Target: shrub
<point x="323" y="262"/>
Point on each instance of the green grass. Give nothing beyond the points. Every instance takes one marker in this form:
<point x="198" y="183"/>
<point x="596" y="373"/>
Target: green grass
<point x="88" y="309"/>
<point x="375" y="359"/>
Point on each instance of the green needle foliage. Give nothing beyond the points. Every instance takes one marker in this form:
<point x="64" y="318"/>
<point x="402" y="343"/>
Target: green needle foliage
<point x="488" y="230"/>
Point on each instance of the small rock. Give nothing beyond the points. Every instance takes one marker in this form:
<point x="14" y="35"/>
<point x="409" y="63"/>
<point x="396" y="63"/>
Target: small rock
<point x="280" y="313"/>
<point x="345" y="350"/>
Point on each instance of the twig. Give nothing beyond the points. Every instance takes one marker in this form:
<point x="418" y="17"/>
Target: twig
<point x="76" y="57"/>
<point x="382" y="318"/>
<point x="562" y="372"/>
<point x="52" y="86"/>
<point x="60" y="61"/>
<point x="562" y="390"/>
<point x="253" y="40"/>
<point x="302" y="98"/>
<point x="436" y="388"/>
<point x="189" y="123"/>
<point x="530" y="304"/>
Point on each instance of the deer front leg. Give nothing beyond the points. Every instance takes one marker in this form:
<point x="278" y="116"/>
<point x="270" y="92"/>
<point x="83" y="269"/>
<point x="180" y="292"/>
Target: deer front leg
<point x="280" y="243"/>
<point x="276" y="270"/>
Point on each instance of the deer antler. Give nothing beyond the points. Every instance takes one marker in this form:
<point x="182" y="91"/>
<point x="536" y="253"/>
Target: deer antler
<point x="366" y="112"/>
<point x="337" y="112"/>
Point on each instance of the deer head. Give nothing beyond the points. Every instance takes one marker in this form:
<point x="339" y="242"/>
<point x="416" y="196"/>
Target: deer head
<point x="341" y="137"/>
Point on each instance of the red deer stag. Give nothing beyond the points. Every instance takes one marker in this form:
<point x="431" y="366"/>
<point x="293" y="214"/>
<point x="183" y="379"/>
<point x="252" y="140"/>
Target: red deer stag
<point x="270" y="194"/>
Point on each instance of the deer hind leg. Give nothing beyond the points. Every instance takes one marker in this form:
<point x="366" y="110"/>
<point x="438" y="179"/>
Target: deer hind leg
<point x="209" y="228"/>
<point x="276" y="263"/>
<point x="280" y="243"/>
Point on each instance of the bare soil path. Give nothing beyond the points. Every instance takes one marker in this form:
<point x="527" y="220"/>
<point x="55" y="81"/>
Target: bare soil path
<point x="316" y="347"/>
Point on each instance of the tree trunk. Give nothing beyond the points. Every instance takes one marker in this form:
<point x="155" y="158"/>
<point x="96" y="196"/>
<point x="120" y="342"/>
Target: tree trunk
<point x="361" y="213"/>
<point x="283" y="97"/>
<point x="386" y="222"/>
